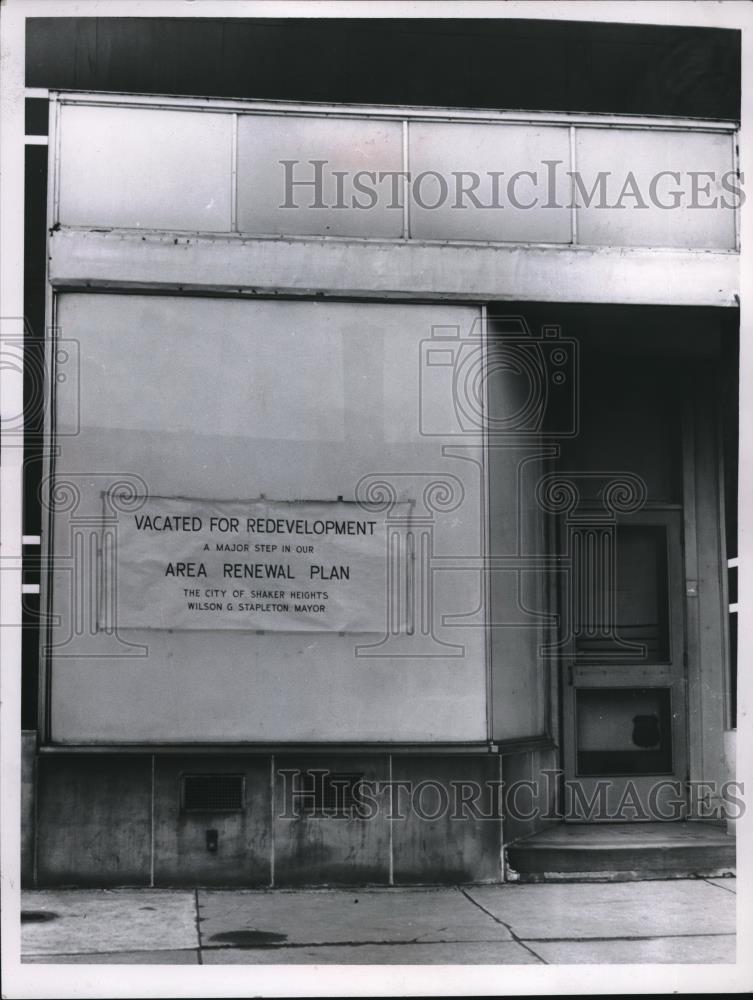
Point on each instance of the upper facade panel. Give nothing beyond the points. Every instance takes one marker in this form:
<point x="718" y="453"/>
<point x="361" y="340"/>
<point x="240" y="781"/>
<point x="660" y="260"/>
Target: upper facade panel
<point x="410" y="175"/>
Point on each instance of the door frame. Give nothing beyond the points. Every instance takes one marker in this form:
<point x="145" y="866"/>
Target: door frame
<point x="651" y="791"/>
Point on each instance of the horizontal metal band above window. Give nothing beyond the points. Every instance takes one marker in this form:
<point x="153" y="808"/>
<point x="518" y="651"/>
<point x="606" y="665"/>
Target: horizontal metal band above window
<point x="123" y="260"/>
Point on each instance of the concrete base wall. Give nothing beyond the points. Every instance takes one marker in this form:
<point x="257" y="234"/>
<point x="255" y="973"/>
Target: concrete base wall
<point x="117" y="819"/>
<point x="531" y="787"/>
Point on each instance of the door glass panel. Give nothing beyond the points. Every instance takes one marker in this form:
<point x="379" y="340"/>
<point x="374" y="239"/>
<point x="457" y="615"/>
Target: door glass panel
<point x="621" y="594"/>
<point x="623" y="731"/>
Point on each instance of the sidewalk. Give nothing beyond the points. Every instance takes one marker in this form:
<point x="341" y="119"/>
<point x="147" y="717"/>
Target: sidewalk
<point x="674" y="921"/>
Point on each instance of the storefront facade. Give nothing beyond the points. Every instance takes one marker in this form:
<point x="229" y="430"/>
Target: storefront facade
<point x="384" y="508"/>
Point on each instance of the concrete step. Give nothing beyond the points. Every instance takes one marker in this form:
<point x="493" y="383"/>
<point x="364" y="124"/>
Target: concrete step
<point x="623" y="852"/>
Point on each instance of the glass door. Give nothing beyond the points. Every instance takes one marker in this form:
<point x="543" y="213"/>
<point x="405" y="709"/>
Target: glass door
<point x="624" y="715"/>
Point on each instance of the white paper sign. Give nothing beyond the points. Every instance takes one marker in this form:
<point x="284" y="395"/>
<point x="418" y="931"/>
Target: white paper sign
<point x="272" y="565"/>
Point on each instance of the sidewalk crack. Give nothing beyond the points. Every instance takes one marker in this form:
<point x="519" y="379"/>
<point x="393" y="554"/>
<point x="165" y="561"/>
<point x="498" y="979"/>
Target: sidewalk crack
<point x="390" y="943"/>
<point x="716" y="884"/>
<point x="513" y="935"/>
<point x="198" y="926"/>
<point x="629" y="937"/>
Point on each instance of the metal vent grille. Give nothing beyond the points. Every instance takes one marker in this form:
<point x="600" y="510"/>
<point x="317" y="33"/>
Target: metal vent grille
<point x="335" y="793"/>
<point x="212" y="792"/>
